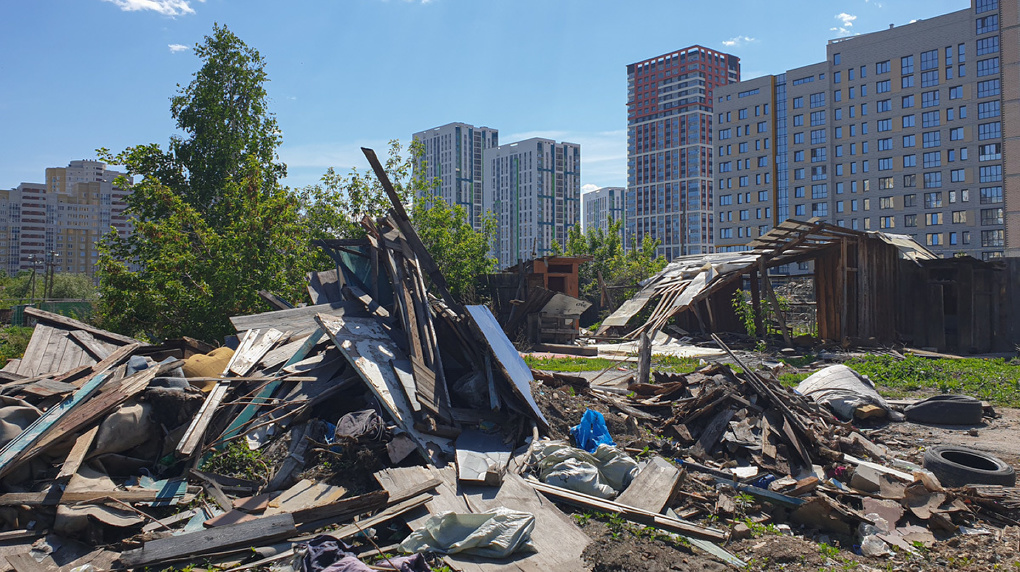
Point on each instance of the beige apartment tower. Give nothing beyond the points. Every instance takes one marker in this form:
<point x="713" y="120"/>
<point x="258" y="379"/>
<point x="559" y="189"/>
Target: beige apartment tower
<point x="912" y="130"/>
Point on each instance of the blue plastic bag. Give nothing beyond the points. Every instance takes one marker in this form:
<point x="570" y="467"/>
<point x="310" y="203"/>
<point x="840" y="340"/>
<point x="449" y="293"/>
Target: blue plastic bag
<point x="591" y="432"/>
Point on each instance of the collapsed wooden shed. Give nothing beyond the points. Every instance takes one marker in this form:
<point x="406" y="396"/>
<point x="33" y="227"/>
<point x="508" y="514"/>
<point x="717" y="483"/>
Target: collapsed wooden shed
<point x="869" y="287"/>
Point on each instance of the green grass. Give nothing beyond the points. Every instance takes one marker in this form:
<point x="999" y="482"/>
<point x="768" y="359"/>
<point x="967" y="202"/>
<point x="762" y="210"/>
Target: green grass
<point x="792" y="379"/>
<point x="13" y="341"/>
<point x="993" y="380"/>
<point x="571" y="363"/>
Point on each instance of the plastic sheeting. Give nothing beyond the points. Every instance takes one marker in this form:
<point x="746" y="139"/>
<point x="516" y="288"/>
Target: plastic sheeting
<point x="497" y="533"/>
<point x="843" y="390"/>
<point x="601" y="474"/>
<point x="591" y="432"/>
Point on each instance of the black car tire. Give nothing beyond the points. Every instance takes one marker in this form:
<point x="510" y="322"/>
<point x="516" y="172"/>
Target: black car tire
<point x="946" y="410"/>
<point x="959" y="466"/>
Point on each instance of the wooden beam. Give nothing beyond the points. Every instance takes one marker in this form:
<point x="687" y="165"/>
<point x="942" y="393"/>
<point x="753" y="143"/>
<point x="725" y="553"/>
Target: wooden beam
<point x="72" y="324"/>
<point x="775" y="303"/>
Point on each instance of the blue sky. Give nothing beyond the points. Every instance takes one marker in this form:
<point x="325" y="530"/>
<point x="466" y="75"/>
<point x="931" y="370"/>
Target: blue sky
<point x="82" y="74"/>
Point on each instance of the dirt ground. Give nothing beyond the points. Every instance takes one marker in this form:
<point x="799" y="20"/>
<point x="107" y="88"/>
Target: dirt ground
<point x="619" y="546"/>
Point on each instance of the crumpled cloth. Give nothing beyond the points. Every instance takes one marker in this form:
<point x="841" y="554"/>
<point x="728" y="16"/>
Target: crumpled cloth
<point x="497" y="533"/>
<point x="362" y="426"/>
<point x="325" y="553"/>
<point x="602" y="474"/>
<point x="843" y="390"/>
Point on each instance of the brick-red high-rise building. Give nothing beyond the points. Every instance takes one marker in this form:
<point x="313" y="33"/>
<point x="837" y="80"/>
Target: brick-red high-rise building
<point x="669" y="147"/>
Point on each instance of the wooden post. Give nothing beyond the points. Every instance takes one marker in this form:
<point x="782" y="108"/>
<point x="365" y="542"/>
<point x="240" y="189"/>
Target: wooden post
<point x="644" y="357"/>
<point x="775" y="303"/>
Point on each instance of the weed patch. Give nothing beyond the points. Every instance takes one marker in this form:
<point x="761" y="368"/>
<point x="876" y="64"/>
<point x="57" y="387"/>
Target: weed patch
<point x="994" y="380"/>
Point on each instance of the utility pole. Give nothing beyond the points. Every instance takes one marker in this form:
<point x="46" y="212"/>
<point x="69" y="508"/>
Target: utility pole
<point x="51" y="265"/>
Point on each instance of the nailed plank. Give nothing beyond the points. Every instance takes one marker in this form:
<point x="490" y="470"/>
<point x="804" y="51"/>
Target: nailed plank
<point x="53" y="497"/>
<point x="324" y="287"/>
<point x="32" y="359"/>
<point x="77" y="455"/>
<point x="89" y="343"/>
<point x="653" y="487"/>
<point x="243" y="362"/>
<point x="370" y="349"/>
<point x="297" y="320"/>
<point x="24" y="562"/>
<point x="72" y="324"/>
<point x="257" y="532"/>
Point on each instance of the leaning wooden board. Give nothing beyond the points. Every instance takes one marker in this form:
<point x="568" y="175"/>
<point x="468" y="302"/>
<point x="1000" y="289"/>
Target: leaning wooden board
<point x="371" y="351"/>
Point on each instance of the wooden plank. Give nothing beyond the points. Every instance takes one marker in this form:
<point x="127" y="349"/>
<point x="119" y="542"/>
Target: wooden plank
<point x="72" y="324"/>
<point x="14" y="452"/>
<point x="53" y="497"/>
<point x="653" y="487"/>
<point x="713" y="431"/>
<point x="26" y="563"/>
<point x="32" y="359"/>
<point x="254" y="533"/>
<point x="369" y="349"/>
<point x="89" y="343"/>
<point x="114" y="359"/>
<point x="633" y="514"/>
<point x="77" y="455"/>
<point x="244" y="362"/>
<point x="297" y="320"/>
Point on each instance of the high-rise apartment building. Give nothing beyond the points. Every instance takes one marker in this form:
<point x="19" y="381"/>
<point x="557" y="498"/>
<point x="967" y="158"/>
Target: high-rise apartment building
<point x="670" y="147"/>
<point x="908" y="130"/>
<point x="602" y="204"/>
<point x="453" y="155"/>
<point x="58" y="222"/>
<point x="533" y="187"/>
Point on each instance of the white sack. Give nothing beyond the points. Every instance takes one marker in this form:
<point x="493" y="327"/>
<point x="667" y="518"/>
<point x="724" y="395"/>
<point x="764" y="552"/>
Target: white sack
<point x="497" y="533"/>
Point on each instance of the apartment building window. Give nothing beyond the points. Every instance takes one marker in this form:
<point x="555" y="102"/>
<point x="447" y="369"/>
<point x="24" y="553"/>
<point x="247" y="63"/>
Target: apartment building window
<point x="884" y="105"/>
<point x="839" y="206"/>
<point x="929" y="60"/>
<point x="930" y="119"/>
<point x="725" y="200"/>
<point x="798" y="156"/>
<point x="930" y="98"/>
<point x="743" y="181"/>
<point x="989" y="109"/>
<point x="989" y="66"/>
<point x="909" y="200"/>
<point x="934" y="238"/>
<point x="837" y="77"/>
<point x="933" y="200"/>
<point x="907" y="65"/>
<point x="982" y="6"/>
<point x="725" y="233"/>
<point x="993" y="238"/>
<point x="853" y="205"/>
<point x="989" y="45"/>
<point x="962" y="111"/>
<point x="990" y="173"/>
<point x="909" y="161"/>
<point x="818" y="154"/>
<point x="910" y="220"/>
<point x="838" y="132"/>
<point x="865" y="167"/>
<point x="798" y="102"/>
<point x="932" y="219"/>
<point x="798" y="138"/>
<point x="798" y="174"/>
<point x="742" y="148"/>
<point x="884" y="125"/>
<point x="908" y="120"/>
<point x="762" y="126"/>
<point x="798" y="192"/>
<point x="799" y="210"/>
<point x="885" y="183"/>
<point x="932" y="159"/>
<point x="990" y="131"/>
<point x="819" y="209"/>
<point x="820" y="191"/>
<point x="745" y="214"/>
<point x="957" y="176"/>
<point x="864" y="128"/>
<point x="931" y="139"/>
<point x="959" y="217"/>
<point x="837" y="113"/>
<point x="933" y="180"/>
<point x="885" y="144"/>
<point x="763" y="196"/>
<point x="816" y="100"/>
<point x="820" y="173"/>
<point x="988" y="88"/>
<point x="987" y="24"/>
<point x="882" y="67"/>
<point x="907" y="101"/>
<point x="817" y="118"/>
<point x="864" y="72"/>
<point x="882" y="86"/>
<point x="798" y="120"/>
<point x="930" y="78"/>
<point x="909" y="181"/>
<point x="990" y="152"/>
<point x="864" y="109"/>
<point x="991" y="216"/>
<point x="907" y="81"/>
<point x="886" y="222"/>
<point x="950" y="112"/>
<point x="817" y="136"/>
<point x="762" y="161"/>
<point x="886" y="203"/>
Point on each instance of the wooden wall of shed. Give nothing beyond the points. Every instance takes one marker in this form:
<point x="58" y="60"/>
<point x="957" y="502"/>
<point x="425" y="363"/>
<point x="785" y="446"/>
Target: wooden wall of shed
<point x="958" y="305"/>
<point x="828" y="293"/>
<point x="860" y="309"/>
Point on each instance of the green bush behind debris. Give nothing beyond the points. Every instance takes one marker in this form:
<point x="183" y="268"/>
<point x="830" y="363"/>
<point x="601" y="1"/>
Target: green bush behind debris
<point x="993" y="380"/>
<point x="13" y="341"/>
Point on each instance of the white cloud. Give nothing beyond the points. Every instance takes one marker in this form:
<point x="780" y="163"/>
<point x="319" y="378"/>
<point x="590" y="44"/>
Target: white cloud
<point x="165" y="7"/>
<point x="589" y="188"/>
<point x="737" y="41"/>
<point x="174" y="48"/>
<point x="846" y="22"/>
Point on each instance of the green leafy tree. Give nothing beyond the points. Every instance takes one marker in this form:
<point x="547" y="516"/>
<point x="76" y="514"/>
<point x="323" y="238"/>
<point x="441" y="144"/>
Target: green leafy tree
<point x="621" y="270"/>
<point x="335" y="207"/>
<point x="212" y="224"/>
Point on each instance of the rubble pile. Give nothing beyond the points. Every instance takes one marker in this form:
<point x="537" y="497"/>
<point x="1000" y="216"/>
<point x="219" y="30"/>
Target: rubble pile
<point x="387" y="418"/>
